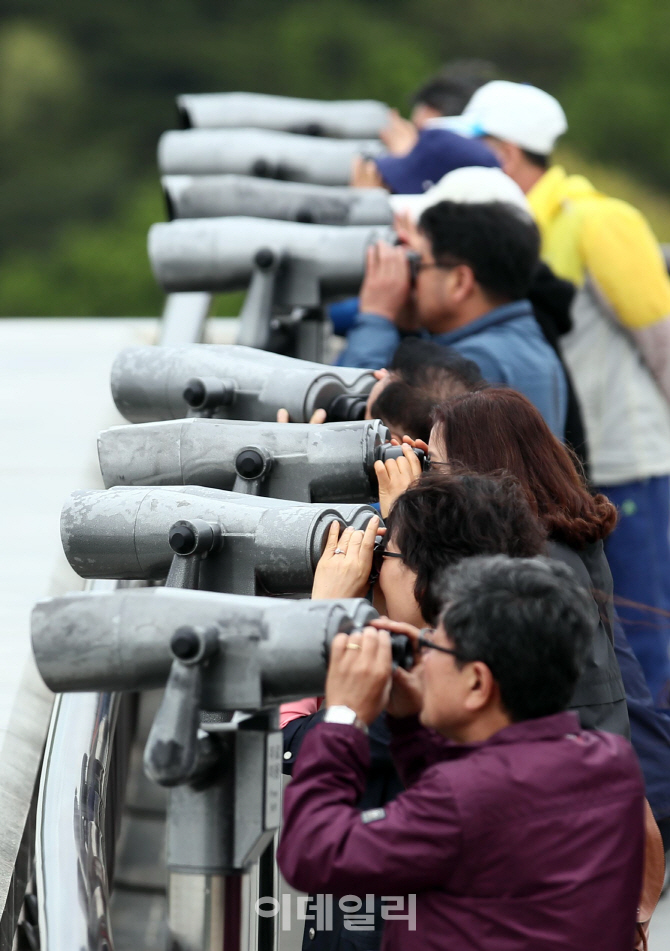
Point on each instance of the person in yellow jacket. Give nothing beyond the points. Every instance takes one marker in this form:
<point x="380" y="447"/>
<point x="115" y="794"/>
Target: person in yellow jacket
<point x="618" y="351"/>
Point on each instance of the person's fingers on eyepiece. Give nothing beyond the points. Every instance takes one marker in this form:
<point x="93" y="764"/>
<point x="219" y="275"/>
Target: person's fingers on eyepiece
<point x="333" y="536"/>
<point x="370" y="533"/>
<point x="355" y="543"/>
<point x="380" y="374"/>
<point x="354" y="640"/>
<point x="338" y="646"/>
<point x="396" y="627"/>
<point x="370" y="643"/>
<point x="413" y="460"/>
<point x="318" y="417"/>
<point x="384" y="657"/>
<point x="381" y="473"/>
<point x="283" y="416"/>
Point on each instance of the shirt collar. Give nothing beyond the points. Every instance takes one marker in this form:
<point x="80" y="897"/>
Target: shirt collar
<point x="526" y="731"/>
<point x="553" y="190"/>
<point x="499" y="315"/>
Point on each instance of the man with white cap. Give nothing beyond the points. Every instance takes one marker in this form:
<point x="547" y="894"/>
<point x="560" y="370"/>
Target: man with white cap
<point x="618" y="351"/>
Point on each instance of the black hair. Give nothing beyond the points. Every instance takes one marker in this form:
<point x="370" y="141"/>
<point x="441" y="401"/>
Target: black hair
<point x="424" y="375"/>
<point x="528" y="620"/>
<point x="444" y="517"/>
<point x="495" y="239"/>
<point x="450" y="90"/>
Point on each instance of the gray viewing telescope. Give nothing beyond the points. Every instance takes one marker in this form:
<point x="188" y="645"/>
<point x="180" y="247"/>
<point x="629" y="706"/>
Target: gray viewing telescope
<point x="223" y="196"/>
<point x="346" y="119"/>
<point x="230" y="382"/>
<point x="329" y="463"/>
<point x="265" y="154"/>
<point x="309" y="261"/>
<point x="260" y="651"/>
<point x="200" y="537"/>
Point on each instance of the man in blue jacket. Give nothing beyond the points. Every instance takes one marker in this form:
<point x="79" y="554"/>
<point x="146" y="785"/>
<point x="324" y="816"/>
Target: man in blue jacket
<point x="465" y="289"/>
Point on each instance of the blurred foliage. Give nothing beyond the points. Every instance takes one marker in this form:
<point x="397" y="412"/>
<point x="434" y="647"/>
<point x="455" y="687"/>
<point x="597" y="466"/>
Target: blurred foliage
<point x="86" y="89"/>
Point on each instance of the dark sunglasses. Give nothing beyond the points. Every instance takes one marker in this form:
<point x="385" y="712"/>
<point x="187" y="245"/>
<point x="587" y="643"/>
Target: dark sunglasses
<point x="379" y="553"/>
<point x="425" y="642"/>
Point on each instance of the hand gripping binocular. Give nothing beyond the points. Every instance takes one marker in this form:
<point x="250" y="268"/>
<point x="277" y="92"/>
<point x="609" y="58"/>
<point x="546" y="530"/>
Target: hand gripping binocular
<point x="329" y="463"/>
<point x="200" y="537"/>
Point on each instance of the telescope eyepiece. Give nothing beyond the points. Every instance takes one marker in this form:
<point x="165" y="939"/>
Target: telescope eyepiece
<point x="387" y="451"/>
<point x="402" y="651"/>
<point x="347" y="408"/>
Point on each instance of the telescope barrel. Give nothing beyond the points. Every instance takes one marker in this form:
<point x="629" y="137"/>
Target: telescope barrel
<point x="266" y="544"/>
<point x="269" y="650"/>
<point x="328" y="463"/>
<point x="148" y="383"/>
<point x="223" y="196"/>
<point x="265" y="154"/>
<point x="352" y="119"/>
<point x="219" y="254"/>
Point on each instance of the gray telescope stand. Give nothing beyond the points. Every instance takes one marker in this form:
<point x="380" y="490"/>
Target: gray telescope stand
<point x="224" y="775"/>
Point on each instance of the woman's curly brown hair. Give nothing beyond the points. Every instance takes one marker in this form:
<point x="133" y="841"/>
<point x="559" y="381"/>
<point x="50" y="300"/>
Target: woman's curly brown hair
<point x="499" y="429"/>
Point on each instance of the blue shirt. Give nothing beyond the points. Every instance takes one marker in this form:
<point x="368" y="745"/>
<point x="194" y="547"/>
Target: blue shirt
<point x="506" y="343"/>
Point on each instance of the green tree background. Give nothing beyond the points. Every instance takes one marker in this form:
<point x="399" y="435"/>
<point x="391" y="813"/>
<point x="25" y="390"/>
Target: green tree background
<point x="87" y="88"/>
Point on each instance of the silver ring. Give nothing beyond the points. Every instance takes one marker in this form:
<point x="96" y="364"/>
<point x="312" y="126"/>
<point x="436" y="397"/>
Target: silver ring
<point x="339" y="551"/>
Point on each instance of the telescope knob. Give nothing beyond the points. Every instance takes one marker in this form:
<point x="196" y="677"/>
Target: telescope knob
<point x="264" y="259"/>
<point x="171" y="753"/>
<point x="207" y="394"/>
<point x="261" y="169"/>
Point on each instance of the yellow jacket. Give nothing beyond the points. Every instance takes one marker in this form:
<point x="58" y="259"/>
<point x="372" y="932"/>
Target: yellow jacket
<point x="619" y="349"/>
<point x="586" y="231"/>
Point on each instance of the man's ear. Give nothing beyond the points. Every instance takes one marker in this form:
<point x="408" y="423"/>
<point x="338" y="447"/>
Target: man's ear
<point x="482" y="687"/>
<point x="462" y="283"/>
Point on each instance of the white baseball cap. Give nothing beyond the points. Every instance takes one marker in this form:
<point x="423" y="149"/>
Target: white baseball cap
<point x="514" y="112"/>
<point x="472" y="184"/>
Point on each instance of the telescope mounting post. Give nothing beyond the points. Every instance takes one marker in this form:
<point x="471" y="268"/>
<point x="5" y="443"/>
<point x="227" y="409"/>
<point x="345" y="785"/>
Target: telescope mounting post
<point x="224" y="774"/>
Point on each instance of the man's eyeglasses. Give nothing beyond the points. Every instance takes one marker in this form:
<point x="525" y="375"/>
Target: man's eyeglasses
<point x="417" y="265"/>
<point x="425" y="642"/>
<point x="379" y="553"/>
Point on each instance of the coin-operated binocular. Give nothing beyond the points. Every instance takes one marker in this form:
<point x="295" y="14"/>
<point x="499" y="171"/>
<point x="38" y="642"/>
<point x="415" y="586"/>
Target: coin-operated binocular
<point x="262" y="153"/>
<point x="200" y="538"/>
<point x="289" y="268"/>
<point x="223" y="196"/>
<point x="232" y="382"/>
<point x="219" y="254"/>
<point x="329" y="463"/>
<point x="217" y="653"/>
<point x="346" y="119"/>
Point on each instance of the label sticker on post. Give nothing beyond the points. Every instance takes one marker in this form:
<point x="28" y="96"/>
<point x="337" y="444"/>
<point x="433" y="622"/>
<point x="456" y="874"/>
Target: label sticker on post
<point x="273" y="779"/>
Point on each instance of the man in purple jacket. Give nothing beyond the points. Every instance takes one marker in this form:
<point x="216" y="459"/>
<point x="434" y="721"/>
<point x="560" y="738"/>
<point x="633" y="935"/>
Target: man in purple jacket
<point x="517" y="830"/>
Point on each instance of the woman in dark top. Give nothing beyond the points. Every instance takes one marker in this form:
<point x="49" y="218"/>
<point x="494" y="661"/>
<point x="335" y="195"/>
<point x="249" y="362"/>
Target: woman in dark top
<point x="499" y="429"/>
